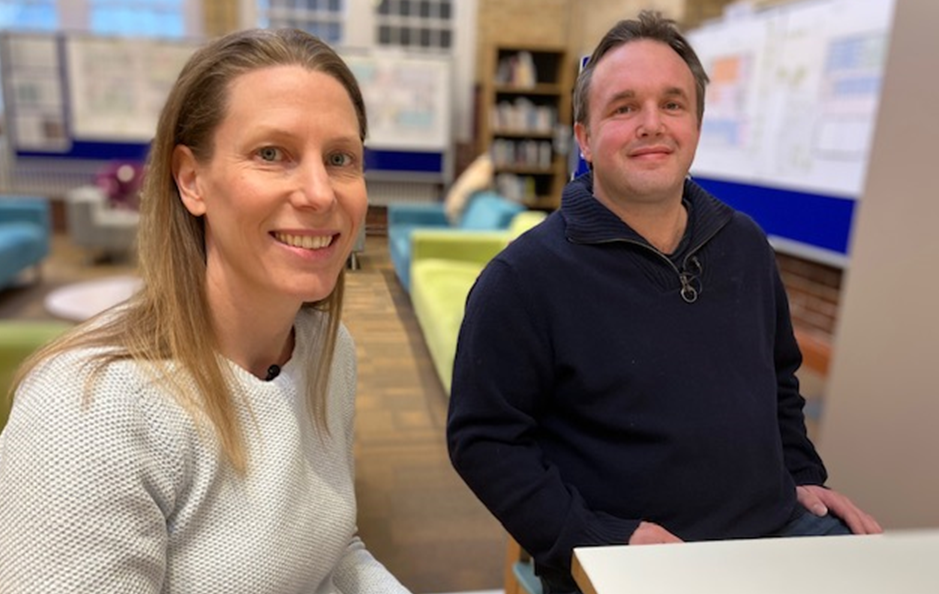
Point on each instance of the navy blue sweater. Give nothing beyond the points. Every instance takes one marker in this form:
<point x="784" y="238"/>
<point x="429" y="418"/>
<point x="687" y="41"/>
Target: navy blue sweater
<point x="589" y="392"/>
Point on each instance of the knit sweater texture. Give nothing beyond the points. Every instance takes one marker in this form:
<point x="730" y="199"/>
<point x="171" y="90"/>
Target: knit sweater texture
<point x="591" y="392"/>
<point x="118" y="490"/>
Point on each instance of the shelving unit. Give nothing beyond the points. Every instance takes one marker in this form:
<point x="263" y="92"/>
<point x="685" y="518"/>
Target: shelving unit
<point x="525" y="121"/>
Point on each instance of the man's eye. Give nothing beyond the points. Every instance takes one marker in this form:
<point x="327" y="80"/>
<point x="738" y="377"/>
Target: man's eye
<point x="339" y="159"/>
<point x="269" y="153"/>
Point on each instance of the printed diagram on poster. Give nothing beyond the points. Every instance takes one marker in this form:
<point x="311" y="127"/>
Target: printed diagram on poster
<point x="407" y="99"/>
<point x="793" y="96"/>
<point x="117" y="87"/>
<point x="34" y="93"/>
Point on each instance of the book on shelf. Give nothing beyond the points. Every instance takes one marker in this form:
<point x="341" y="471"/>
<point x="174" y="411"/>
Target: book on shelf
<point x="522" y="115"/>
<point x="528" y="153"/>
<point x="517" y="70"/>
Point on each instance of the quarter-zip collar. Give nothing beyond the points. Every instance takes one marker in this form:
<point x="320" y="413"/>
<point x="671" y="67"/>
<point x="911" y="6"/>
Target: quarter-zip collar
<point x="589" y="221"/>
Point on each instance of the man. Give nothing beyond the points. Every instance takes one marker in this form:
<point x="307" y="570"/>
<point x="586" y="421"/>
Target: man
<point x="626" y="370"/>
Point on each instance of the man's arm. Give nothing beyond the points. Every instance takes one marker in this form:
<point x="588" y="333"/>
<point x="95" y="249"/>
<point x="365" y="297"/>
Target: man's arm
<point x="802" y="460"/>
<point x="503" y="378"/>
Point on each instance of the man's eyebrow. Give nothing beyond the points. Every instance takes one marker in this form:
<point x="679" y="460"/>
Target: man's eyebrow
<point x="628" y="94"/>
<point x="673" y="91"/>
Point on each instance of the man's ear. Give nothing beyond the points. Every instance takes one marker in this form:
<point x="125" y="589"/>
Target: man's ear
<point x="186" y="175"/>
<point x="583" y="137"/>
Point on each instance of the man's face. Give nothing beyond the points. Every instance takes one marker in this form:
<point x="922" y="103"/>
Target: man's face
<point x="642" y="129"/>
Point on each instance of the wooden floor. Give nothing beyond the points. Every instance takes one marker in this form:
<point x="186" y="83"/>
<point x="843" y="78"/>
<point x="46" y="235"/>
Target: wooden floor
<point x="415" y="514"/>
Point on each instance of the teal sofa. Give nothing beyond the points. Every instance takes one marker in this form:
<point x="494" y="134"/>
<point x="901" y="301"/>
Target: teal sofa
<point x="25" y="228"/>
<point x="485" y="211"/>
<point x="444" y="267"/>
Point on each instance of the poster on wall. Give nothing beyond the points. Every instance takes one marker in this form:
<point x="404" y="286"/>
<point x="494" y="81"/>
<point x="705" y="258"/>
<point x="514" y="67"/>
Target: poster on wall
<point x="793" y="96"/>
<point x="790" y="116"/>
<point x="407" y="99"/>
<point x="34" y="106"/>
<point x="118" y="86"/>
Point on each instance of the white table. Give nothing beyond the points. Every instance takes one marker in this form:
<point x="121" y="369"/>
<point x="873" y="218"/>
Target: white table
<point x="80" y="301"/>
<point x="904" y="562"/>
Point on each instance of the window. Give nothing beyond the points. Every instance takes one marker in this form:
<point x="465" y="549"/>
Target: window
<point x="415" y="24"/>
<point x="323" y="18"/>
<point x="29" y="15"/>
<point x="439" y="28"/>
<point x="151" y="18"/>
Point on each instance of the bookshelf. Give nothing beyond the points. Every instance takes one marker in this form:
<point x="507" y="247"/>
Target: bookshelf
<point x="524" y="122"/>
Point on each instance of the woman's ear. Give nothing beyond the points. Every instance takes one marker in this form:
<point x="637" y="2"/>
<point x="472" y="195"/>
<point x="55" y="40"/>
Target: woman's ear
<point x="186" y="175"/>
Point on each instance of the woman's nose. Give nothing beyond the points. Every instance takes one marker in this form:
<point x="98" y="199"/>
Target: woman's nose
<point x="314" y="189"/>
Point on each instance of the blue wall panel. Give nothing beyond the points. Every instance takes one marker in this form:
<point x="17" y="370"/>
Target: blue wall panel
<point x="812" y="219"/>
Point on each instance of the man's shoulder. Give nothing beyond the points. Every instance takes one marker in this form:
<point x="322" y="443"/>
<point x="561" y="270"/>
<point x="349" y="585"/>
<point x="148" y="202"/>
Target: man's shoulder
<point x="535" y="243"/>
<point x="711" y="211"/>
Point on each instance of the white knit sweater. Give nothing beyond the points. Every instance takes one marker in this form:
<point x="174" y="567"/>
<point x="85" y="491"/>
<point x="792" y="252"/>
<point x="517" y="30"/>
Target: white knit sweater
<point x="123" y="493"/>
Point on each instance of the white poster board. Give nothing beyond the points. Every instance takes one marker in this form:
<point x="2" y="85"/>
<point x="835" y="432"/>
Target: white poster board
<point x="118" y="86"/>
<point x="34" y="92"/>
<point x="794" y="94"/>
<point x="407" y="98"/>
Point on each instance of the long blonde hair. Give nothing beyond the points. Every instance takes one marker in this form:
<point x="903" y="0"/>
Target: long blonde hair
<point x="168" y="321"/>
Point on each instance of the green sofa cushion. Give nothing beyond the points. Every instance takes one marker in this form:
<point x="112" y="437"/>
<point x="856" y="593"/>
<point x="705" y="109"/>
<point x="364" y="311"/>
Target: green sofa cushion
<point x="444" y="267"/>
<point x="18" y="340"/>
<point x="439" y="290"/>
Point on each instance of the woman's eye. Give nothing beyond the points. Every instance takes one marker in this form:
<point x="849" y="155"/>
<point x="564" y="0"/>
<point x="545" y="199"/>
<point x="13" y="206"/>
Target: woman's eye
<point x="269" y="154"/>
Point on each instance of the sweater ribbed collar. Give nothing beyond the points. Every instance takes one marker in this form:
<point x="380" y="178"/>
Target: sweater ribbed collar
<point x="590" y="221"/>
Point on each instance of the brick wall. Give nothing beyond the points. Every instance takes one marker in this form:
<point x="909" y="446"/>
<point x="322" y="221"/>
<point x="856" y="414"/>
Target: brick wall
<point x="814" y="292"/>
<point x="522" y="22"/>
<point x="220" y="17"/>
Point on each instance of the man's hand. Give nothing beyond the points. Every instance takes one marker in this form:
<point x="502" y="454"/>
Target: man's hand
<point x="820" y="501"/>
<point x="650" y="533"/>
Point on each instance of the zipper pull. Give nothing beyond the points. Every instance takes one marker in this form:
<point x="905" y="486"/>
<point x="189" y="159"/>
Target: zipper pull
<point x="689" y="279"/>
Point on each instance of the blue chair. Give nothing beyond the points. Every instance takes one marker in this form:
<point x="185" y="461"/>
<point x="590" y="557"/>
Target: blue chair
<point x="520" y="575"/>
<point x="25" y="229"/>
<point x="486" y="211"/>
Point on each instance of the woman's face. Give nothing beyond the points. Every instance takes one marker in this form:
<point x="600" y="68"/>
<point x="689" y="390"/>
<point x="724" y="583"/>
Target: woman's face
<point x="283" y="195"/>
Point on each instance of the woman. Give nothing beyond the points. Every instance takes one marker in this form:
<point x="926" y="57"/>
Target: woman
<point x="199" y="437"/>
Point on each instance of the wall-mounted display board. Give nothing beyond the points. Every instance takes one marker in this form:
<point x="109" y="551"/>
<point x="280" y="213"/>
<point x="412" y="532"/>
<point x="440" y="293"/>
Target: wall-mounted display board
<point x="117" y="87"/>
<point x="85" y="97"/>
<point x="407" y="98"/>
<point x="790" y="116"/>
<point x="88" y="99"/>
<point x="34" y="96"/>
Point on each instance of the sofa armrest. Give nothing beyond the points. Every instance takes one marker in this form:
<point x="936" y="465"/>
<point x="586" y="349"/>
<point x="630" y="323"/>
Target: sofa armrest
<point x="420" y="214"/>
<point x="26" y="210"/>
<point x="466" y="246"/>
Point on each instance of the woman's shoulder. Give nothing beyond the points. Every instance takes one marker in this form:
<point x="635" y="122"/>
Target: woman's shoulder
<point x="81" y="406"/>
<point x="86" y="385"/>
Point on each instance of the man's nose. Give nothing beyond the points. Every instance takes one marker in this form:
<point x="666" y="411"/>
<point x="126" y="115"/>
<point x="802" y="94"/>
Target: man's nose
<point x="651" y="123"/>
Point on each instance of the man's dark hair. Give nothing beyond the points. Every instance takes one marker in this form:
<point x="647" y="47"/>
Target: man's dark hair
<point x="649" y="25"/>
